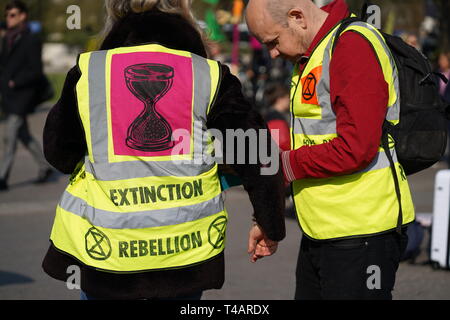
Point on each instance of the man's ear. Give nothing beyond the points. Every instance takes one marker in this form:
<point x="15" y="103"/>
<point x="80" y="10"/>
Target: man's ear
<point x="297" y="16"/>
<point x="23" y="16"/>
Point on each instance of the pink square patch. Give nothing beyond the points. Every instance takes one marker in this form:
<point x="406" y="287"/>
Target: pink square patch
<point x="151" y="97"/>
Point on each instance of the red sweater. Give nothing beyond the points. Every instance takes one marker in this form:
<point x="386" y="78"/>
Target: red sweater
<point x="359" y="98"/>
<point x="284" y="142"/>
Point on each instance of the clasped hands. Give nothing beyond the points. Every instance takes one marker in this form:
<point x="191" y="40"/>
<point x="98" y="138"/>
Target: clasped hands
<point x="259" y="245"/>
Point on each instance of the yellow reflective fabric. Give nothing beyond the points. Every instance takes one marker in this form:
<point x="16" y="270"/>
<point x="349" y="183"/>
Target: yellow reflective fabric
<point x="215" y="78"/>
<point x="351" y="205"/>
<point x="83" y="97"/>
<point x="161" y="192"/>
<point x="362" y="203"/>
<point x="311" y="140"/>
<point x="163" y="214"/>
<point x="382" y="57"/>
<point x="308" y="110"/>
<point x="82" y="89"/>
<point x="133" y="250"/>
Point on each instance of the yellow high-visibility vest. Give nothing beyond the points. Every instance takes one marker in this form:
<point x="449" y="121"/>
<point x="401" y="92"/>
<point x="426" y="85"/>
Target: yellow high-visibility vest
<point x="362" y="203"/>
<point x="147" y="195"/>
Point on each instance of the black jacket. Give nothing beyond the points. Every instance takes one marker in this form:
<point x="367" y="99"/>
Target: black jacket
<point x="23" y="65"/>
<point x="65" y="146"/>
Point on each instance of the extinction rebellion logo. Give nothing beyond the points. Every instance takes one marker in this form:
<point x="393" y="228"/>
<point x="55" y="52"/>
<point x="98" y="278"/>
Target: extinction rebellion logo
<point x="216" y="232"/>
<point x="309" y="87"/>
<point x="97" y="244"/>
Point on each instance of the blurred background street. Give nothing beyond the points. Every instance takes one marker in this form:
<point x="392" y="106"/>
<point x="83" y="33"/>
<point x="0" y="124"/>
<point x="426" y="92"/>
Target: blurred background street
<point x="27" y="210"/>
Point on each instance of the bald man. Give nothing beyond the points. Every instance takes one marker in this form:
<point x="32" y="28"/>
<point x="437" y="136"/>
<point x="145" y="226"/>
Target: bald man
<point x="354" y="232"/>
<point x="285" y="36"/>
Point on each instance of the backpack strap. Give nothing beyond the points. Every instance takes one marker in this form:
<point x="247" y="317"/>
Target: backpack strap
<point x="385" y="144"/>
<point x="349" y="20"/>
<point x="344" y="24"/>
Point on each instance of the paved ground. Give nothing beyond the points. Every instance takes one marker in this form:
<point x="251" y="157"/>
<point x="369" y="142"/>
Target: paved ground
<point x="26" y="216"/>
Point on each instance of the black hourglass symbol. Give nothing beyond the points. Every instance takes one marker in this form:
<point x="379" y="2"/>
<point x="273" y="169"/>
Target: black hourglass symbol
<point x="149" y="83"/>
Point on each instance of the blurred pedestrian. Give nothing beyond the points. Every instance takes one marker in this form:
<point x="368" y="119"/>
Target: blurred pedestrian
<point x="342" y="183"/>
<point x="277" y="116"/>
<point x="277" y="97"/>
<point x="20" y="73"/>
<point x="216" y="52"/>
<point x="444" y="88"/>
<point x="259" y="70"/>
<point x="3" y="30"/>
<point x="444" y="68"/>
<point x="129" y="188"/>
<point x="413" y="41"/>
<point x="2" y="35"/>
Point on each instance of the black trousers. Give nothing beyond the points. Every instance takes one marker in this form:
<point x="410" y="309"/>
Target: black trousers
<point x="351" y="269"/>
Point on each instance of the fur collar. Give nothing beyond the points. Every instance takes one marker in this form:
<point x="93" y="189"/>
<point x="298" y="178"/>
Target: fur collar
<point x="153" y="26"/>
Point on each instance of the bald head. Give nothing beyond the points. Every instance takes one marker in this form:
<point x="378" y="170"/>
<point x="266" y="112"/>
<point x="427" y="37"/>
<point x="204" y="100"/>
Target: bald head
<point x="279" y="9"/>
<point x="256" y="13"/>
<point x="286" y="27"/>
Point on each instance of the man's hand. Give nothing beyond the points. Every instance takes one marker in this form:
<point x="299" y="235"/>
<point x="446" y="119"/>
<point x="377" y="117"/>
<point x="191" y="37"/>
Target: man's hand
<point x="11" y="84"/>
<point x="259" y="246"/>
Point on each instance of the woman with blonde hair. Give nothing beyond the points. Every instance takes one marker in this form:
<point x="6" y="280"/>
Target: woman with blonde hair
<point x="138" y="223"/>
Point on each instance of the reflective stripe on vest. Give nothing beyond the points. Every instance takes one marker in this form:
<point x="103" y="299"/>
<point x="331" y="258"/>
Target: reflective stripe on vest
<point x="206" y="75"/>
<point x="144" y="219"/>
<point x="340" y="207"/>
<point x="147" y="196"/>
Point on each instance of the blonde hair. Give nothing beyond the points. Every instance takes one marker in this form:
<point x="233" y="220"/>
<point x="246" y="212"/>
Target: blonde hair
<point x="117" y="9"/>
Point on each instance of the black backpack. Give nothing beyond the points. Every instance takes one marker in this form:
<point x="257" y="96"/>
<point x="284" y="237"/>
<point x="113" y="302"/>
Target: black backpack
<point x="421" y="135"/>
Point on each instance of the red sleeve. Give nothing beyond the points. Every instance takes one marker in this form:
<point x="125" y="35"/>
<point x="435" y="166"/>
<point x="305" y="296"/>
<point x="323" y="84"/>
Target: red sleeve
<point x="284" y="139"/>
<point x="359" y="96"/>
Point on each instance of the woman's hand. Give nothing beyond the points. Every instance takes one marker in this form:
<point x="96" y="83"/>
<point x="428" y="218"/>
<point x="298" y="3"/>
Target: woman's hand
<point x="259" y="246"/>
